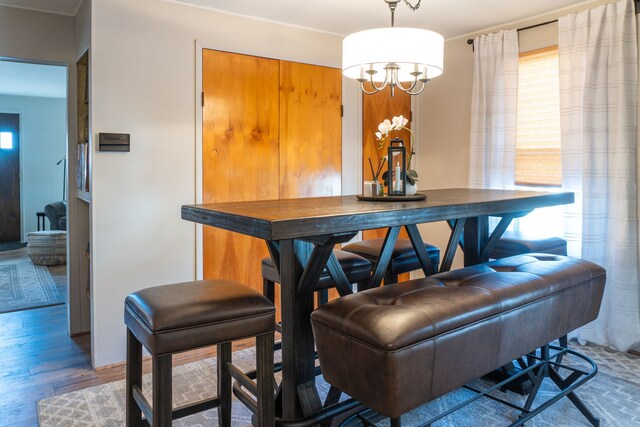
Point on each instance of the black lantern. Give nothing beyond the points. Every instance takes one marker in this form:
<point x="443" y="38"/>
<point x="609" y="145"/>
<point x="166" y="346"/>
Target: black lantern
<point x="397" y="163"/>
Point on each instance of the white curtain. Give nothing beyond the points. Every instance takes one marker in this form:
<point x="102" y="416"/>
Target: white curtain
<point x="598" y="104"/>
<point x="493" y="110"/>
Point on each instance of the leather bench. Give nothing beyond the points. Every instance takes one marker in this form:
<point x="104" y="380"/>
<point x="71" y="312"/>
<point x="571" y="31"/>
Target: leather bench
<point x="417" y="340"/>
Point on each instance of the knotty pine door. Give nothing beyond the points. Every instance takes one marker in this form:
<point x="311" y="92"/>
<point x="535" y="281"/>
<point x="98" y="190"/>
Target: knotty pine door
<point x="271" y="129"/>
<point x="376" y="108"/>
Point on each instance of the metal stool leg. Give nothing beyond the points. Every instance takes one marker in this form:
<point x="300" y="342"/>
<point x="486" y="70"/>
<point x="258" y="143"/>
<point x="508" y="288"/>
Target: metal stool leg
<point x="264" y="372"/>
<point x="224" y="384"/>
<point x="564" y="341"/>
<point x="162" y="391"/>
<point x="134" y="379"/>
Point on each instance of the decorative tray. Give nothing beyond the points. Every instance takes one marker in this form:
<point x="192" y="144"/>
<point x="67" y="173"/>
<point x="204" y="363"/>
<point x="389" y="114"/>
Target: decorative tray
<point x="415" y="197"/>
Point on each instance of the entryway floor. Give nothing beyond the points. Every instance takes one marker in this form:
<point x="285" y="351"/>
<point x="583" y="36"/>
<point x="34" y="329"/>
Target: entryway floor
<point x="37" y="356"/>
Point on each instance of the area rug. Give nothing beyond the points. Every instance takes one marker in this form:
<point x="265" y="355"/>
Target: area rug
<point x="613" y="395"/>
<point x="11" y="246"/>
<point x="24" y="286"/>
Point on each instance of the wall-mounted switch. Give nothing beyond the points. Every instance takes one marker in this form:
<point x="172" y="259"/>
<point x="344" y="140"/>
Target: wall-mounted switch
<point x="114" y="142"/>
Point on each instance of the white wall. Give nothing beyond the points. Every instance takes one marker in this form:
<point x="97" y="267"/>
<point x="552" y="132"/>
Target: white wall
<point x="35" y="35"/>
<point x="43" y="140"/>
<point x="143" y="83"/>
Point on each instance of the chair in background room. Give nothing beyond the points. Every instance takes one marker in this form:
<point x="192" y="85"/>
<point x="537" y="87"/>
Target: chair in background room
<point x="57" y="214"/>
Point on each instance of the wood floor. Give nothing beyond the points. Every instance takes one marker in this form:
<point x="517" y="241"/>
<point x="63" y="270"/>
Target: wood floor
<point x="38" y="359"/>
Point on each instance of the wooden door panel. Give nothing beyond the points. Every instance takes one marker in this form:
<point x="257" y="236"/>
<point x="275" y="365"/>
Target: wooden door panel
<point x="310" y="130"/>
<point x="240" y="154"/>
<point x="376" y="108"/>
<point x="271" y="129"/>
<point x="10" y="179"/>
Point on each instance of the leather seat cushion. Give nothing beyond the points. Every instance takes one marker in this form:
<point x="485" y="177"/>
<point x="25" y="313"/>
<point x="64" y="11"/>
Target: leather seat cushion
<point x="403" y="257"/>
<point x="356" y="268"/>
<point x="517" y="243"/>
<point x="420" y="339"/>
<point x="184" y="316"/>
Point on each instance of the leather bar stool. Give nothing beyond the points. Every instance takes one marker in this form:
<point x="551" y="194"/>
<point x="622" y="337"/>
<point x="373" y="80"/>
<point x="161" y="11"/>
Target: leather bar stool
<point x="403" y="258"/>
<point x="175" y="318"/>
<point x="356" y="268"/>
<point x="517" y="243"/>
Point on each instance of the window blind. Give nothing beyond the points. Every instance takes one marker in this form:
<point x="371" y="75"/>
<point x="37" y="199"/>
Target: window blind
<point x="538" y="160"/>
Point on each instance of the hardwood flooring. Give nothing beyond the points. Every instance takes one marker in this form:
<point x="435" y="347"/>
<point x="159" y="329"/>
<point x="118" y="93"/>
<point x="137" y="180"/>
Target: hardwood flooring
<point x="39" y="359"/>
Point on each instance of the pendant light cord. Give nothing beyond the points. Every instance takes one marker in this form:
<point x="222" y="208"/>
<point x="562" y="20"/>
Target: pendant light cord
<point x="392" y="6"/>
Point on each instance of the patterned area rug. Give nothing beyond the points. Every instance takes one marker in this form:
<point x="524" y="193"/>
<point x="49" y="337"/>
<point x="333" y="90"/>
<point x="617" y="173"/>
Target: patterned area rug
<point x="613" y="395"/>
<point x="24" y="286"/>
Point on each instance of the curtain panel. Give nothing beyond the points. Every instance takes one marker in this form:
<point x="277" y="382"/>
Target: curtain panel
<point x="598" y="107"/>
<point x="493" y="111"/>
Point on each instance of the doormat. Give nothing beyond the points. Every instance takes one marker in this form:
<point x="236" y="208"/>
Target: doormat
<point x="24" y="286"/>
<point x="12" y="246"/>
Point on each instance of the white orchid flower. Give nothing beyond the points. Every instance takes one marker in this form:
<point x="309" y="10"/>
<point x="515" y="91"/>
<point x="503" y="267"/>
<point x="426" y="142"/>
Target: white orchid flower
<point x="385" y="127"/>
<point x="398" y="122"/>
<point x="379" y="135"/>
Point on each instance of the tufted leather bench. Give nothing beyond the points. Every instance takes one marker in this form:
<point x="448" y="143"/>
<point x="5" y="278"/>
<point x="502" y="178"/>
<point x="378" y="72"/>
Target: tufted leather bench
<point x="417" y="340"/>
<point x="184" y="316"/>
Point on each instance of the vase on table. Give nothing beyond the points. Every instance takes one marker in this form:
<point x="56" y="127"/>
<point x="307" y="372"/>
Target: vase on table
<point x="411" y="189"/>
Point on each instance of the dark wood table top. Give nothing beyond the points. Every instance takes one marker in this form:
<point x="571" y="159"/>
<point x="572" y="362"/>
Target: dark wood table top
<point x="306" y="217"/>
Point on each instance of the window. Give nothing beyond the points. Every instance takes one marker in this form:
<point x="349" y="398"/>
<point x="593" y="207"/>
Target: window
<point x="538" y="161"/>
<point x="6" y="141"/>
<point x="538" y="158"/>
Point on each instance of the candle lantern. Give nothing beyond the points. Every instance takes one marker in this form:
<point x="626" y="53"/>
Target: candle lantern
<point x="397" y="163"/>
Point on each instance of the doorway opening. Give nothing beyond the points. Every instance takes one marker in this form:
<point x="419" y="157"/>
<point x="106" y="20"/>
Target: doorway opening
<point x="33" y="146"/>
<point x="33" y="123"/>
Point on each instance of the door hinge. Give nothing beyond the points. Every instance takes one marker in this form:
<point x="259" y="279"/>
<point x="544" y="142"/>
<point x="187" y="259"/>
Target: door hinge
<point x="202" y="98"/>
<point x="342" y="111"/>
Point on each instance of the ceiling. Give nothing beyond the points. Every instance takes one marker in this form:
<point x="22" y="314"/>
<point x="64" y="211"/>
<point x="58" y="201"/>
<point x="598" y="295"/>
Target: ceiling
<point x="451" y="18"/>
<point x="60" y="7"/>
<point x="19" y="78"/>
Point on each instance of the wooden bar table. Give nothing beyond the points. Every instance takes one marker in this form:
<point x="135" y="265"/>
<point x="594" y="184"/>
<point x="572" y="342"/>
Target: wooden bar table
<point x="301" y="235"/>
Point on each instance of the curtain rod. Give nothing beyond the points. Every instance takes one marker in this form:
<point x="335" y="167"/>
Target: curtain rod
<point x="636" y="2"/>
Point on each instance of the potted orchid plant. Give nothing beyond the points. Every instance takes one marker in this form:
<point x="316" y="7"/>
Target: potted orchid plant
<point x="398" y="123"/>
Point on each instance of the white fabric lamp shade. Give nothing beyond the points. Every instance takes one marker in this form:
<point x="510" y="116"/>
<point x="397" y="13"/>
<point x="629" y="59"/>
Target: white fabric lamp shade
<point x="412" y="49"/>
